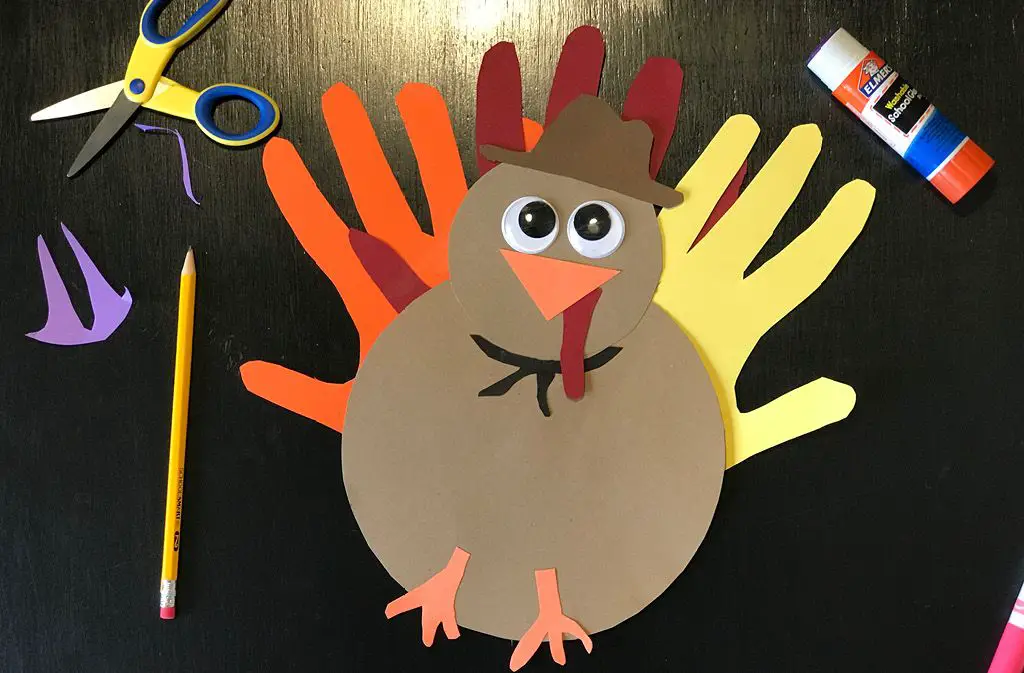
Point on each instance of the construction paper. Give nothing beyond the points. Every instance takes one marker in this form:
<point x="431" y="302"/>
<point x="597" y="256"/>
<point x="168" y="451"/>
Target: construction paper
<point x="499" y="91"/>
<point x="653" y="98"/>
<point x="544" y="370"/>
<point x="396" y="280"/>
<point x="591" y="143"/>
<point x="483" y="273"/>
<point x="578" y="71"/>
<point x="551" y="624"/>
<point x="382" y="206"/>
<point x="554" y="285"/>
<point x="485" y="472"/>
<point x="731" y="312"/>
<point x="325" y="236"/>
<point x="186" y="176"/>
<point x="631" y="473"/>
<point x="63" y="326"/>
<point x="436" y="597"/>
<point x="616" y="491"/>
<point x="318" y="400"/>
<point x="532" y="132"/>
<point x="499" y="103"/>
<point x="575" y="324"/>
<point x="390" y="280"/>
<point x="437" y="155"/>
<point x="729" y="196"/>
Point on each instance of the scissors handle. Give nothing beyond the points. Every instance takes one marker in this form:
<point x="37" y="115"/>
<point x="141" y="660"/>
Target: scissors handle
<point x="153" y="51"/>
<point x="149" y="26"/>
<point x="209" y="99"/>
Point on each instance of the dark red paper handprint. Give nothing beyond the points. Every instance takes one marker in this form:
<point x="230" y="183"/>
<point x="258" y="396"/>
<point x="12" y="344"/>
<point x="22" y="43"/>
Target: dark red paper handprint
<point x="653" y="97"/>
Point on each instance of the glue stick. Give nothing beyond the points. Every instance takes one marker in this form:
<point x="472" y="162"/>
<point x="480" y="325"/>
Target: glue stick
<point x="900" y="115"/>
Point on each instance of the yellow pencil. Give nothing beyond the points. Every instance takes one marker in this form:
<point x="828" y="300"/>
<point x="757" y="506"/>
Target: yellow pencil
<point x="179" y="423"/>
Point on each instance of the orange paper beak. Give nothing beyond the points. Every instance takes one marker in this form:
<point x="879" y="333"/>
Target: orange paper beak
<point x="554" y="284"/>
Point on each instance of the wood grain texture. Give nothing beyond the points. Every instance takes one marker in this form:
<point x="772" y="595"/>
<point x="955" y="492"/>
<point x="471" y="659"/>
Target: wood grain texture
<point x="891" y="541"/>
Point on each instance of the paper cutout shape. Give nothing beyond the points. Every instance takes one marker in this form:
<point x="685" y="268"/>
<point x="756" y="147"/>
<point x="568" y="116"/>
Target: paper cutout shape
<point x="575" y="325"/>
<point x="551" y="625"/>
<point x="578" y="72"/>
<point x="449" y="476"/>
<point x="544" y="370"/>
<point x="436" y="597"/>
<point x="499" y="121"/>
<point x="554" y="284"/>
<point x="592" y="144"/>
<point x="730" y="313"/>
<point x="186" y="174"/>
<point x="729" y="196"/>
<point x="499" y="103"/>
<point x="399" y="283"/>
<point x="385" y="214"/>
<point x="653" y="97"/>
<point x="318" y="400"/>
<point x="532" y="132"/>
<point x="520" y="491"/>
<point x="63" y="326"/>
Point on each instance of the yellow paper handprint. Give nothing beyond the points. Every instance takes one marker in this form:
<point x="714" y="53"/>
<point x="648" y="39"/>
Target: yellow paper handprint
<point x="725" y="314"/>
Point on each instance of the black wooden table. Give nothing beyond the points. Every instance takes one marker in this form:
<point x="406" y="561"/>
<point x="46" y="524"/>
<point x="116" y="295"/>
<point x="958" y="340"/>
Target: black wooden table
<point x="891" y="541"/>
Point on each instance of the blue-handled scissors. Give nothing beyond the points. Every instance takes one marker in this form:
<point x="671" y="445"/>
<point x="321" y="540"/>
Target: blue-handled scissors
<point x="144" y="85"/>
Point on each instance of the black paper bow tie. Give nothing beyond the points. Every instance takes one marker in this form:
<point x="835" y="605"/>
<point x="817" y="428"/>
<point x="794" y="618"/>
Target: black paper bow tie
<point x="544" y="370"/>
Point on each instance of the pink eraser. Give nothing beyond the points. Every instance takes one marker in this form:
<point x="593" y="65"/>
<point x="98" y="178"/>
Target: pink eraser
<point x="1009" y="656"/>
<point x="167" y="613"/>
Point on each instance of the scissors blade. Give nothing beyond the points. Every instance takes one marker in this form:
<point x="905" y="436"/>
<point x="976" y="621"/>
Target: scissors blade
<point x="111" y="124"/>
<point x="99" y="98"/>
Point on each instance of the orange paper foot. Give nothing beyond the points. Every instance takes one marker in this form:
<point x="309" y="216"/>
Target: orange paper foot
<point x="550" y="624"/>
<point x="437" y="598"/>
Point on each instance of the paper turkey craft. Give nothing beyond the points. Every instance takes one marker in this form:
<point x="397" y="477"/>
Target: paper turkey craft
<point x="555" y="256"/>
<point x="561" y="443"/>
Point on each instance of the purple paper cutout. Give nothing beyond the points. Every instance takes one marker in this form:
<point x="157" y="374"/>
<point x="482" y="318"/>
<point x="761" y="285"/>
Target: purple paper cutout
<point x="186" y="174"/>
<point x="63" y="326"/>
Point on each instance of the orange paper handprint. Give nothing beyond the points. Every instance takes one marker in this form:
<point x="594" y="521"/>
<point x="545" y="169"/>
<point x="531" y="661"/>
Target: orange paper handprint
<point x="379" y="271"/>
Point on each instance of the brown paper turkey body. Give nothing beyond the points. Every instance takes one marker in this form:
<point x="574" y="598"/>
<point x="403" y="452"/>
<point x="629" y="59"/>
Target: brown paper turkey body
<point x="534" y="439"/>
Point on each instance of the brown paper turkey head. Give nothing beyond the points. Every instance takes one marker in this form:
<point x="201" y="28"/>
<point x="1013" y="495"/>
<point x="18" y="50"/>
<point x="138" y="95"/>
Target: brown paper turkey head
<point x="564" y="234"/>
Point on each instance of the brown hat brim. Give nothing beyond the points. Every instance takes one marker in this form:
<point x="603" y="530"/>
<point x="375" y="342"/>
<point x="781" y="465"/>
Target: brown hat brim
<point x="649" y="191"/>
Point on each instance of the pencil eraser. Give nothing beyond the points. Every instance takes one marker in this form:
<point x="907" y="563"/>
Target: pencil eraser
<point x="167" y="613"/>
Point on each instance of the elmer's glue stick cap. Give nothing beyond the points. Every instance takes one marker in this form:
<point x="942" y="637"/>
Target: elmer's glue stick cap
<point x="962" y="171"/>
<point x="836" y="58"/>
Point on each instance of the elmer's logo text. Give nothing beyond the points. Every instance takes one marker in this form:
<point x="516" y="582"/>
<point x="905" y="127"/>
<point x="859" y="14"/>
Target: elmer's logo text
<point x="873" y="72"/>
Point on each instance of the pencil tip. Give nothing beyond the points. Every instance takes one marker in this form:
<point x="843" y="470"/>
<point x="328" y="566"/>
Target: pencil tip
<point x="190" y="263"/>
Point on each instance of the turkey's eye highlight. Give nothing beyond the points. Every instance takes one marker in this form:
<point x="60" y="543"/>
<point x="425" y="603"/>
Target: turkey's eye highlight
<point x="597" y="229"/>
<point x="529" y="224"/>
<point x="537" y="219"/>
<point x="592" y="221"/>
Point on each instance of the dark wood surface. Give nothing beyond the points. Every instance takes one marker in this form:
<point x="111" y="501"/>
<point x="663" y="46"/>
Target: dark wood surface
<point x="891" y="541"/>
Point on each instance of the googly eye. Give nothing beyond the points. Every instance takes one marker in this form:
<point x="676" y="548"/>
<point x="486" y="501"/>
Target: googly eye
<point x="529" y="225"/>
<point x="596" y="229"/>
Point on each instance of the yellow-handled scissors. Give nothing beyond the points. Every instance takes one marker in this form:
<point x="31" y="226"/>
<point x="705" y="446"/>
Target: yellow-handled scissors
<point x="144" y="85"/>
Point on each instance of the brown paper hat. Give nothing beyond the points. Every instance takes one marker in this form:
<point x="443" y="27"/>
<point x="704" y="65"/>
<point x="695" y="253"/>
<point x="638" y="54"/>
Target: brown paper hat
<point x="589" y="142"/>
